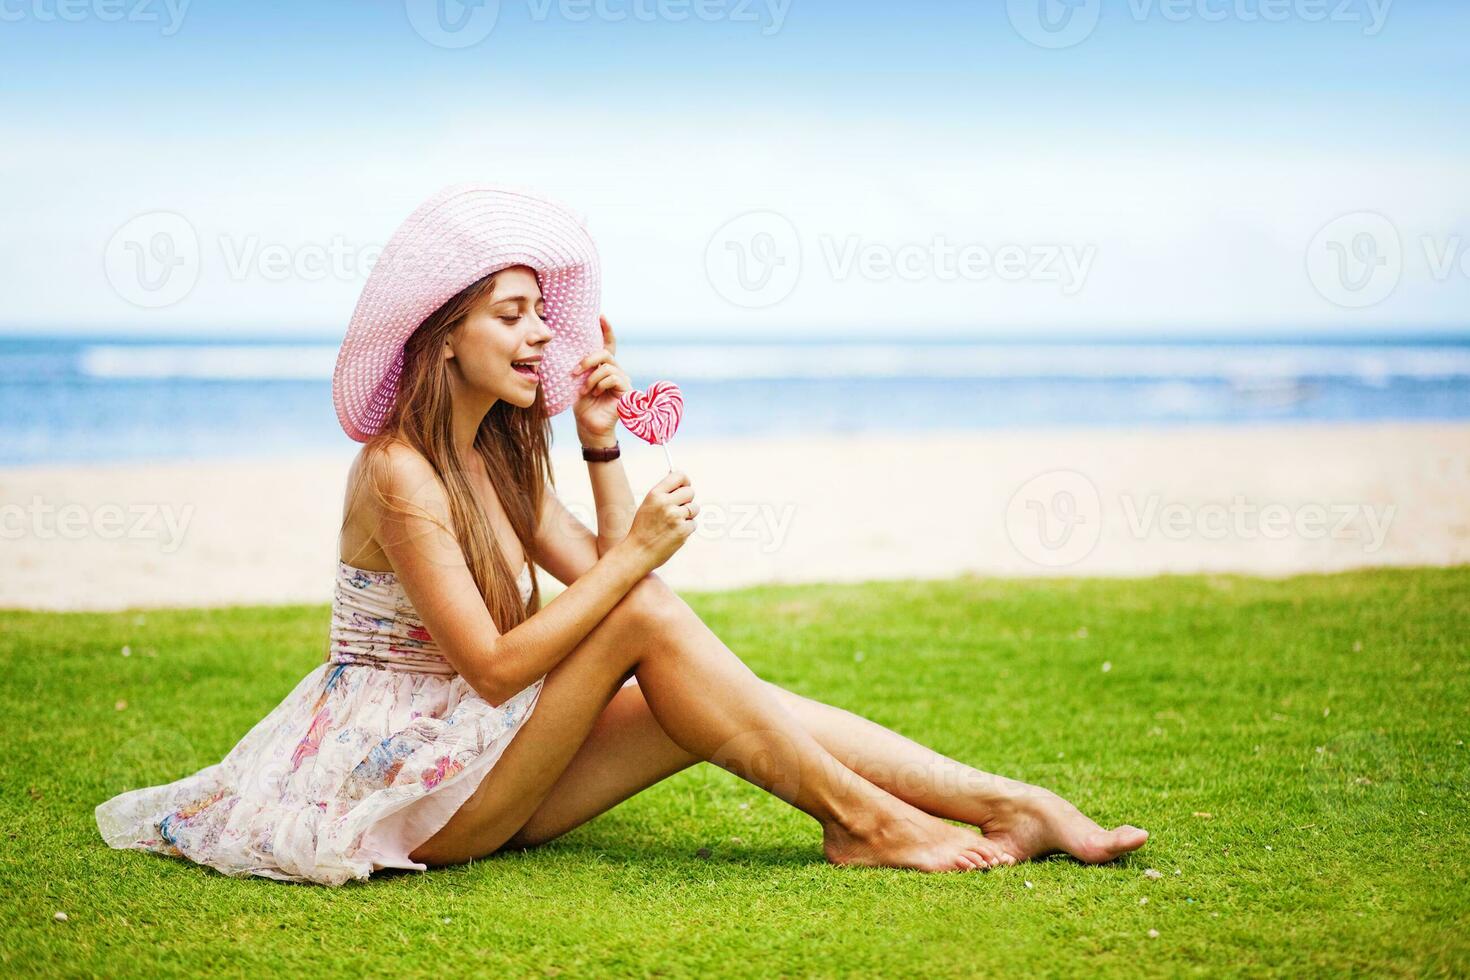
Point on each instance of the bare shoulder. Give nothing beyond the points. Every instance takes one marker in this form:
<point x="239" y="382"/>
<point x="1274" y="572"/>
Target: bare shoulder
<point x="394" y="468"/>
<point x="381" y="481"/>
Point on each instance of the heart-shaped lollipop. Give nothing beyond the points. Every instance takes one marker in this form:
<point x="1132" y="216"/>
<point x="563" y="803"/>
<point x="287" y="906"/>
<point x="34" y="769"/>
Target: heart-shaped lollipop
<point x="653" y="415"/>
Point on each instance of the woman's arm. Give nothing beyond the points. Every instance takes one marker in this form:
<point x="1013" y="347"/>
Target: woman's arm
<point x="597" y="420"/>
<point x="428" y="562"/>
<point x="611" y="495"/>
<point x="563" y="545"/>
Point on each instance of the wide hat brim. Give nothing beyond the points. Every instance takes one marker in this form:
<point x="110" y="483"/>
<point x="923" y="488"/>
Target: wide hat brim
<point x="455" y="238"/>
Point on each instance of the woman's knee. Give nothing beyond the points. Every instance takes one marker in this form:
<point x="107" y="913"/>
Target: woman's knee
<point x="638" y="626"/>
<point x="651" y="610"/>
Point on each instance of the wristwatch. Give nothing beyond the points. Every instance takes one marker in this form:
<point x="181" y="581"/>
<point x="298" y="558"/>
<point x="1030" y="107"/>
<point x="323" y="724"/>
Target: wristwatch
<point x="603" y="454"/>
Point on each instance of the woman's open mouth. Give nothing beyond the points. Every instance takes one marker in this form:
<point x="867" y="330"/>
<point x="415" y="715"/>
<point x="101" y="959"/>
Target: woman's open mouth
<point x="527" y="369"/>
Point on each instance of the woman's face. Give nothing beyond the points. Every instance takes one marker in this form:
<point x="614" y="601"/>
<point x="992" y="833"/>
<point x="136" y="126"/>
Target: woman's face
<point x="504" y="330"/>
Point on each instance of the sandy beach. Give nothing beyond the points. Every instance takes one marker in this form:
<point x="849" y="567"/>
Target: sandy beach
<point x="1268" y="501"/>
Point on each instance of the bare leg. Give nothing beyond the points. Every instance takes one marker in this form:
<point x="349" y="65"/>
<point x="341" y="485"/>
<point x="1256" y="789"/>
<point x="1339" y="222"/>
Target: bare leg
<point x="714" y="708"/>
<point x="1026" y="820"/>
<point x="628" y="751"/>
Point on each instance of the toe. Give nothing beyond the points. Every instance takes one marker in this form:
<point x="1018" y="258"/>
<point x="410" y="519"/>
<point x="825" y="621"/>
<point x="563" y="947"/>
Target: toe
<point x="981" y="858"/>
<point x="1105" y="845"/>
<point x="1129" y="837"/>
<point x="989" y="850"/>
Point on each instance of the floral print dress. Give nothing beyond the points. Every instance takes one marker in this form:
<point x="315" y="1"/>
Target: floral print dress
<point x="363" y="761"/>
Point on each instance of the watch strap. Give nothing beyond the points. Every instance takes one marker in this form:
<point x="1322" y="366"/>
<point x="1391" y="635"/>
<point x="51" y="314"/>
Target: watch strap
<point x="601" y="454"/>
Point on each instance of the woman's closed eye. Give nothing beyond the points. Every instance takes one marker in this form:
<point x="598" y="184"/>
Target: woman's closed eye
<point x="511" y="319"/>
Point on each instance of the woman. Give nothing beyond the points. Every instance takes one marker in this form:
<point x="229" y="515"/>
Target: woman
<point x="454" y="717"/>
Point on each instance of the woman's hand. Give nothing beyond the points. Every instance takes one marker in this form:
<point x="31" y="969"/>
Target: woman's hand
<point x="664" y="520"/>
<point x="596" y="409"/>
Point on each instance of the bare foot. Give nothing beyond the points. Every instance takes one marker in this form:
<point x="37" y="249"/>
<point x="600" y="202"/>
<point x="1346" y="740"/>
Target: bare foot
<point x="902" y="836"/>
<point x="1031" y="822"/>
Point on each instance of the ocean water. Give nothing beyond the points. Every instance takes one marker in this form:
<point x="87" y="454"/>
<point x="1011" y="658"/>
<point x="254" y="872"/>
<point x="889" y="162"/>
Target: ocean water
<point x="100" y="398"/>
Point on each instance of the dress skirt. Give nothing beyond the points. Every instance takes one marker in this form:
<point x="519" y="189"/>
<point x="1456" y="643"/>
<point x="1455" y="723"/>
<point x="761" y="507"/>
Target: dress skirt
<point x="351" y="772"/>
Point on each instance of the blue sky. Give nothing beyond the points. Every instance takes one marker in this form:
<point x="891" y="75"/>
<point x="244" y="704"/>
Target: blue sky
<point x="1171" y="171"/>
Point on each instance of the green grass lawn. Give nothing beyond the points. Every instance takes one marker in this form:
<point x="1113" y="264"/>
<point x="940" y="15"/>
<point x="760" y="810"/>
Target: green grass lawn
<point x="1296" y="748"/>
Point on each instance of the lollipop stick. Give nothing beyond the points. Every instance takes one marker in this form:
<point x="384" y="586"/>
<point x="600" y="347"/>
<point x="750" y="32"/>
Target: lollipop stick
<point x="665" y="447"/>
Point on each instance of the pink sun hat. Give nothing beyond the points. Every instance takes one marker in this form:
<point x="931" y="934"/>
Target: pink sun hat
<point x="458" y="236"/>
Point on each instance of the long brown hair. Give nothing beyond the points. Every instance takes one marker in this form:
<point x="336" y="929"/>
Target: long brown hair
<point x="513" y="442"/>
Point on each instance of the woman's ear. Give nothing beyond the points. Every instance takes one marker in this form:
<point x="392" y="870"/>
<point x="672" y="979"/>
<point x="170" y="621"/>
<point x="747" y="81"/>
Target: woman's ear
<point x="448" y="349"/>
